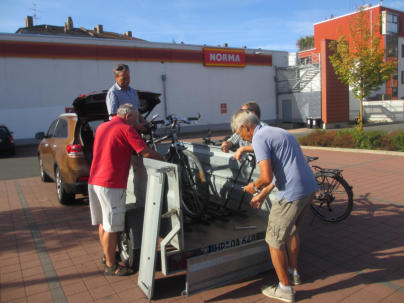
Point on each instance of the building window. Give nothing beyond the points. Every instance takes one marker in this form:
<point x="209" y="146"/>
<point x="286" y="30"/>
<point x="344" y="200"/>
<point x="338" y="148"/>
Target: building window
<point x="392" y="45"/>
<point x="394" y="91"/>
<point x="402" y="77"/>
<point x="402" y="50"/>
<point x="392" y="23"/>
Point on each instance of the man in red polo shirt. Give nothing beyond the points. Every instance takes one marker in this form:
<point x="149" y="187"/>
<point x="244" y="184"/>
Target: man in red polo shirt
<point x="114" y="144"/>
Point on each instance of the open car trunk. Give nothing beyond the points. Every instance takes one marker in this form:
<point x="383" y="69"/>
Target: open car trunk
<point x="91" y="110"/>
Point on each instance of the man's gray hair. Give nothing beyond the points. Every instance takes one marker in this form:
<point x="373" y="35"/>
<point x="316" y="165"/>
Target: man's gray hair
<point x="253" y="106"/>
<point x="125" y="109"/>
<point x="243" y="117"/>
<point x="120" y="68"/>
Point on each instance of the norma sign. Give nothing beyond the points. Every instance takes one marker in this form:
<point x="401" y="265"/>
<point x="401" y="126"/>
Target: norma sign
<point x="223" y="57"/>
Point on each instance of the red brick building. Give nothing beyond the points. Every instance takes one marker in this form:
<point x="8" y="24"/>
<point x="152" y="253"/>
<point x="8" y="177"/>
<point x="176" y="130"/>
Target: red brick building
<point x="388" y="24"/>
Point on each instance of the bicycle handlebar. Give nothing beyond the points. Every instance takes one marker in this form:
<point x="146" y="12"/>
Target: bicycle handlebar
<point x="310" y="159"/>
<point x="173" y="120"/>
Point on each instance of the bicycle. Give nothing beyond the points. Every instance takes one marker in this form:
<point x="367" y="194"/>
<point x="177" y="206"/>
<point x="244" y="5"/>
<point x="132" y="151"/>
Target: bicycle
<point x="333" y="202"/>
<point x="194" y="184"/>
<point x="208" y="139"/>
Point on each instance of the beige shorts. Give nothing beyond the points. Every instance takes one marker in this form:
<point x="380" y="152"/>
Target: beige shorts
<point x="107" y="207"/>
<point x="285" y="219"/>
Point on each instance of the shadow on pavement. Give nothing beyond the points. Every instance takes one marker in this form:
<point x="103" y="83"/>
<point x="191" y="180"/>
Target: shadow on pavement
<point x="366" y="248"/>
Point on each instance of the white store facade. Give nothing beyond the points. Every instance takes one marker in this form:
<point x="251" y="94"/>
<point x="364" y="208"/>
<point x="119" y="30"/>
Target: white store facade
<point x="41" y="75"/>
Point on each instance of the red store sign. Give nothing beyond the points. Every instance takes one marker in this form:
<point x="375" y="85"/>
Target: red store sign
<point x="223" y="57"/>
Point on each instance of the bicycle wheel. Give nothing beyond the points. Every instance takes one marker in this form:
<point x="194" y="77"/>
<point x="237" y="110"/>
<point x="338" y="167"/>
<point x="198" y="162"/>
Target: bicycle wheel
<point x="333" y="201"/>
<point x="195" y="190"/>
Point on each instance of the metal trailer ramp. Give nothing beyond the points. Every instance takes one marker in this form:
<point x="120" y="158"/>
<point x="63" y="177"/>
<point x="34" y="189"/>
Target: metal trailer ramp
<point x="217" y="269"/>
<point x="210" y="254"/>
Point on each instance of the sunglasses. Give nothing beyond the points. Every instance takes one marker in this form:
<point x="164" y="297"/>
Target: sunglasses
<point x="122" y="67"/>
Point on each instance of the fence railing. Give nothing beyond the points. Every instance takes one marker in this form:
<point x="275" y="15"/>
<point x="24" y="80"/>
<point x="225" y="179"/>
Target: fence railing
<point x="387" y="110"/>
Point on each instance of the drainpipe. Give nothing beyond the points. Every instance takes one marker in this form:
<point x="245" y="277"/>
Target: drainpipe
<point x="276" y="94"/>
<point x="164" y="78"/>
<point x="371" y="25"/>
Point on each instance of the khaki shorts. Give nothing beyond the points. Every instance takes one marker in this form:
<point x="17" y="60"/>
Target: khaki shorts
<point x="107" y="206"/>
<point x="285" y="219"/>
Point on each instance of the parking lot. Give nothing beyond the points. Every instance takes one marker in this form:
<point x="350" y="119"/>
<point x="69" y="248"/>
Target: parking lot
<point x="51" y="253"/>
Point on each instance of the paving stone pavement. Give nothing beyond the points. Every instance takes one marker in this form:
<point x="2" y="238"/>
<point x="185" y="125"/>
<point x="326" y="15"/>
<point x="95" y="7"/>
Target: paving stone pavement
<point x="51" y="253"/>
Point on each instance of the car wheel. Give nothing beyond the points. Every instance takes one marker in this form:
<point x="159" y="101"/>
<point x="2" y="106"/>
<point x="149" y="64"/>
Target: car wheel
<point x="44" y="176"/>
<point x="63" y="196"/>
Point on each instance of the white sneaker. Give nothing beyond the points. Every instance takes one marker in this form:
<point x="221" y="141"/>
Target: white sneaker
<point x="274" y="291"/>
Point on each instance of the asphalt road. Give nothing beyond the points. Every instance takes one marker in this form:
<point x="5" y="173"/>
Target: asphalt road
<point x="25" y="163"/>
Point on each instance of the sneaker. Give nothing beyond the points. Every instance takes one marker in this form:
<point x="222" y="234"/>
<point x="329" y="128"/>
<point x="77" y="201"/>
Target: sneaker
<point x="274" y="291"/>
<point x="294" y="279"/>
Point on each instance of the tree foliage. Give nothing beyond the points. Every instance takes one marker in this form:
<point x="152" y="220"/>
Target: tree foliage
<point x="360" y="64"/>
<point x="305" y="43"/>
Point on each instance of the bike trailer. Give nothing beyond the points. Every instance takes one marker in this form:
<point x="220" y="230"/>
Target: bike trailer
<point x="227" y="246"/>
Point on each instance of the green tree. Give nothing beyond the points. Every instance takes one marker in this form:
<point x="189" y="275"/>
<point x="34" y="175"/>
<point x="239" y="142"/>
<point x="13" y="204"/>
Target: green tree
<point x="305" y="43"/>
<point x="360" y="64"/>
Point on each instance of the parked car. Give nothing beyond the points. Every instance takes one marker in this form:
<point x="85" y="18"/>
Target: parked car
<point x="7" y="145"/>
<point x="65" y="151"/>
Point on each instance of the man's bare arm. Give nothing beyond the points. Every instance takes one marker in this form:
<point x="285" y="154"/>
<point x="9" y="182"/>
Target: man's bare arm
<point x="264" y="179"/>
<point x="147" y="152"/>
<point x="241" y="150"/>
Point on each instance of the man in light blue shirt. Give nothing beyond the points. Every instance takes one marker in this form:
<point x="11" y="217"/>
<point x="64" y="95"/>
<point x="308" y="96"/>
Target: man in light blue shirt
<point x="121" y="93"/>
<point x="282" y="164"/>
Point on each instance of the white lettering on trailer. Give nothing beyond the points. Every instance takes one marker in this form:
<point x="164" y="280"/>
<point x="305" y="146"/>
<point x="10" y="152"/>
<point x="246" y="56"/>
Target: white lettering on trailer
<point x="232" y="243"/>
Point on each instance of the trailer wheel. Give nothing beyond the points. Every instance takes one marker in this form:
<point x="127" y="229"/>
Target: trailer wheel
<point x="125" y="246"/>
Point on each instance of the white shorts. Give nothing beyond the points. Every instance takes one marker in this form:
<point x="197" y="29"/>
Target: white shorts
<point x="107" y="206"/>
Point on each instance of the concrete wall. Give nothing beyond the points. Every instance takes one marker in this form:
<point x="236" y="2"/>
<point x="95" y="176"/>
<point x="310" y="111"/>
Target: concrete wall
<point x="36" y="88"/>
<point x="303" y="105"/>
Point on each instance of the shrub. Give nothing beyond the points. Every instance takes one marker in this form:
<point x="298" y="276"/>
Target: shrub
<point x="370" y="139"/>
<point x="318" y="138"/>
<point x="344" y="139"/>
<point x="397" y="139"/>
<point x="353" y="138"/>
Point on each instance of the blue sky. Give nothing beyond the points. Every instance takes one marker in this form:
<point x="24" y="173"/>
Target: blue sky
<point x="267" y="24"/>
